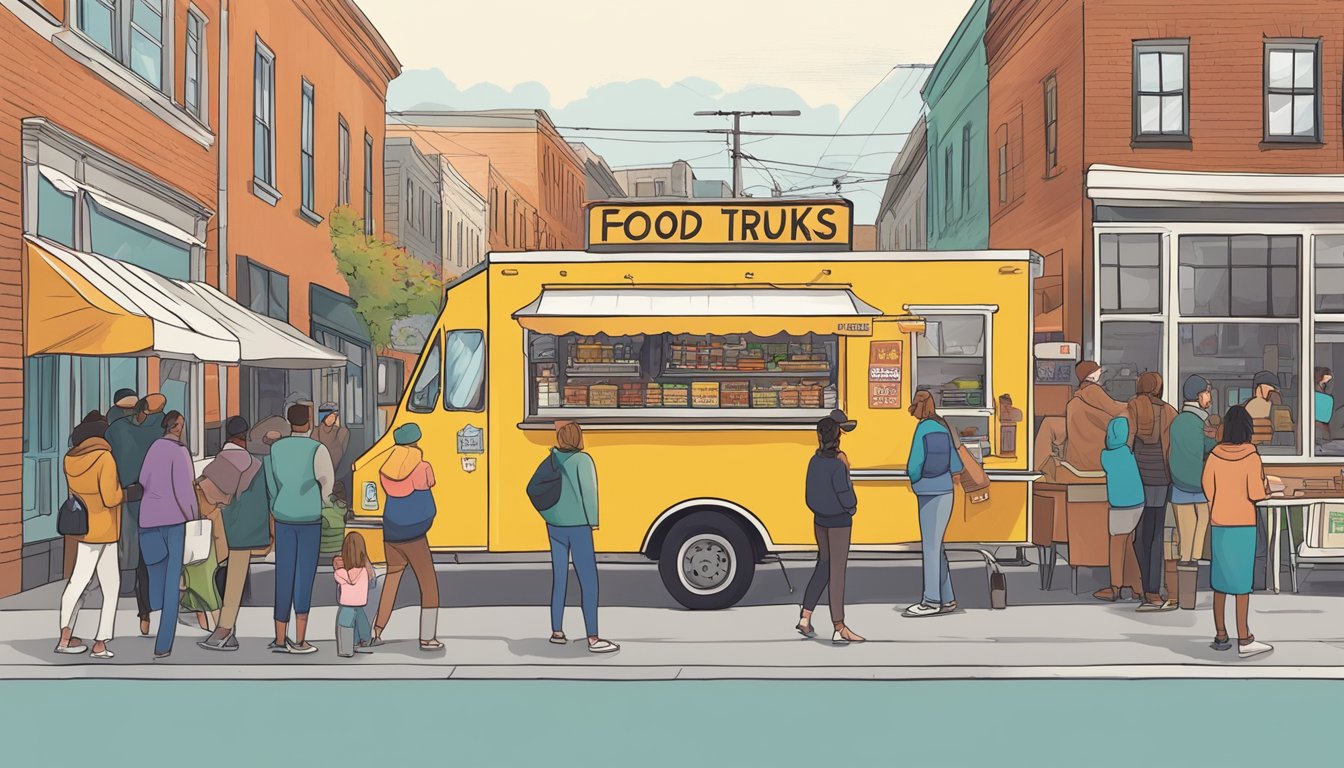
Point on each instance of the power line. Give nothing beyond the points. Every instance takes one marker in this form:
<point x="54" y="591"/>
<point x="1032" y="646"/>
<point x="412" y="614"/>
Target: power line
<point x="816" y="167"/>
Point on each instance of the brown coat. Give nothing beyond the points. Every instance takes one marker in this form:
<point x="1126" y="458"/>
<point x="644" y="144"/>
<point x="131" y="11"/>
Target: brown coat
<point x="1086" y="417"/>
<point x="1162" y="426"/>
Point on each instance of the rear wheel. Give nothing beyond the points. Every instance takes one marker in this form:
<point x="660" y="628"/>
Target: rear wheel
<point x="706" y="562"/>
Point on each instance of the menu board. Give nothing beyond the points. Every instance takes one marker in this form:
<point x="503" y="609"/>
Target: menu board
<point x="884" y="374"/>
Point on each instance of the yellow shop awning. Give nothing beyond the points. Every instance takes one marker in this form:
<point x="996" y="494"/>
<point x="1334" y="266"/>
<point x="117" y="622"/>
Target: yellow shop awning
<point x="85" y="304"/>
<point x="761" y="311"/>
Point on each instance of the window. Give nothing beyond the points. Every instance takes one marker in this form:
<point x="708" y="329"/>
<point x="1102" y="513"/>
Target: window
<point x="1330" y="274"/>
<point x="368" y="184"/>
<point x="1327" y="407"/>
<point x="658" y="187"/>
<point x="1131" y="274"/>
<point x="1051" y="124"/>
<point x="464" y="371"/>
<point x="263" y="118"/>
<point x="136" y="38"/>
<point x="1230" y="354"/>
<point x="55" y="213"/>
<point x="392" y="380"/>
<point x="123" y="239"/>
<point x="1239" y="275"/>
<point x="353" y="400"/>
<point x="965" y="167"/>
<point x="194" y="66"/>
<point x="1160" y="106"/>
<point x="342" y="162"/>
<point x="1292" y="91"/>
<point x="407" y="206"/>
<point x="98" y="20"/>
<point x="459" y="244"/>
<point x="425" y="390"/>
<point x="1129" y="348"/>
<point x="147" y="35"/>
<point x="951" y="361"/>
<point x="947" y="185"/>
<point x="306" y="148"/>
<point x="1002" y="134"/>
<point x="263" y="290"/>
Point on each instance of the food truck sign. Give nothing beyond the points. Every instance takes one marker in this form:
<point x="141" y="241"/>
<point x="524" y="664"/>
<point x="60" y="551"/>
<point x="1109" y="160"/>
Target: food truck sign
<point x="734" y="224"/>
<point x="884" y="374"/>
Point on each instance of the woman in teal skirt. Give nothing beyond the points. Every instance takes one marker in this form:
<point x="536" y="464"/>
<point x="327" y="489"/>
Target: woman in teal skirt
<point x="1234" y="480"/>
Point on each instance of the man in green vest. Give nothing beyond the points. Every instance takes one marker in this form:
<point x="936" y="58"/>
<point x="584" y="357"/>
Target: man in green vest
<point x="299" y="478"/>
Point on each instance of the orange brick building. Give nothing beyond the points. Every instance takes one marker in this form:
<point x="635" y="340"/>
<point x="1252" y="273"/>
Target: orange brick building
<point x="1173" y="163"/>
<point x="534" y="182"/>
<point x="97" y="156"/>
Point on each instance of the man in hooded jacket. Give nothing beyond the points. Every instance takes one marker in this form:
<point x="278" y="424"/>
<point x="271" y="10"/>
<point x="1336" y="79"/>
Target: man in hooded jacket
<point x="130" y="438"/>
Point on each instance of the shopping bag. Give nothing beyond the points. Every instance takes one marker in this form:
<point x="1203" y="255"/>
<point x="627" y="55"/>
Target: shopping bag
<point x="198" y="542"/>
<point x="974" y="481"/>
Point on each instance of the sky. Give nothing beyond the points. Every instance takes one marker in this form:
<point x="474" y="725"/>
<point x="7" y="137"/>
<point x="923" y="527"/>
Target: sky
<point x="646" y="63"/>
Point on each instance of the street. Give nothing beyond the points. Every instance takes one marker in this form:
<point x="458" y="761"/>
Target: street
<point x="495" y="626"/>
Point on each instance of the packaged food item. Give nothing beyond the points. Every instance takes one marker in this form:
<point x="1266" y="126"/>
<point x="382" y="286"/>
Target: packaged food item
<point x="576" y="395"/>
<point x="764" y="398"/>
<point x="705" y="394"/>
<point x="809" y="396"/>
<point x="788" y="397"/>
<point x="653" y="395"/>
<point x="631" y="395"/>
<point x="676" y="395"/>
<point x="603" y="396"/>
<point x="735" y="394"/>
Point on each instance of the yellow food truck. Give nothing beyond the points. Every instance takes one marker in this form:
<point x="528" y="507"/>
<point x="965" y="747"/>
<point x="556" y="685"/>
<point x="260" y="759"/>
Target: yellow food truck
<point x="698" y="360"/>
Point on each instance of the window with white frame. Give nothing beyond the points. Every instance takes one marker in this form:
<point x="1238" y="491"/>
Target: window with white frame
<point x="134" y="32"/>
<point x="193" y="75"/>
<point x="1327" y="412"/>
<point x="1292" y="90"/>
<point x="951" y="362"/>
<point x="1129" y="291"/>
<point x="1161" y="108"/>
<point x="263" y="116"/>
<point x="306" y="167"/>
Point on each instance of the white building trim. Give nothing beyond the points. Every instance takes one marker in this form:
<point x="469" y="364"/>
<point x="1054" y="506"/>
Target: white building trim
<point x="1118" y="185"/>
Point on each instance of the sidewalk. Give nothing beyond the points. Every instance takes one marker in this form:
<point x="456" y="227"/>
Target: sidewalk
<point x="495" y="627"/>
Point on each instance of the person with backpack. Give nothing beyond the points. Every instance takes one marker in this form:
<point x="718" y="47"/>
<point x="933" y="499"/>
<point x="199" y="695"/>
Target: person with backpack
<point x="1151" y="418"/>
<point x="564" y="491"/>
<point x="932" y="462"/>
<point x="830" y="497"/>
<point x="1124" y="495"/>
<point x="407" y="480"/>
<point x="91" y="475"/>
<point x="234" y="482"/>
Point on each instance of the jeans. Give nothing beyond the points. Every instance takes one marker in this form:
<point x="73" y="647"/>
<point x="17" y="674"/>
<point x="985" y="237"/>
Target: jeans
<point x="89" y="558"/>
<point x="413" y="554"/>
<point x="296" y="548"/>
<point x="355" y="616"/>
<point x="934" y="514"/>
<point x="829" y="573"/>
<point x="1148" y="548"/>
<point x="161" y="549"/>
<point x="573" y="542"/>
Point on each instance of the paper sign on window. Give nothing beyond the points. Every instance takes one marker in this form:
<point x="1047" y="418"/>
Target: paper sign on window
<point x="884" y="374"/>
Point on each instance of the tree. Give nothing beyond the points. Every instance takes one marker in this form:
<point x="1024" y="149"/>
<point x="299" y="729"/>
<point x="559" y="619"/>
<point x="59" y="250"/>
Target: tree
<point x="386" y="283"/>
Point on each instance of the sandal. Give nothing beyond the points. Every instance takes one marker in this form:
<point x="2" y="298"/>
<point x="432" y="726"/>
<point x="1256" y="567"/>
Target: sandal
<point x="1107" y="594"/>
<point x="431" y="645"/>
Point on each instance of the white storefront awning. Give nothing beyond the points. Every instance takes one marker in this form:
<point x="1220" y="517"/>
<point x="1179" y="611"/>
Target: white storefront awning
<point x="86" y="304"/>
<point x="1119" y="185"/>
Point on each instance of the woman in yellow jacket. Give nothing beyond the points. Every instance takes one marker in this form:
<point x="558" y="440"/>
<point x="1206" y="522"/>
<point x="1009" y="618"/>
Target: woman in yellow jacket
<point x="91" y="474"/>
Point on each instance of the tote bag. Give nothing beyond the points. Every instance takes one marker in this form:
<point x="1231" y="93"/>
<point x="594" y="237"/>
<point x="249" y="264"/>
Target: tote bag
<point x="198" y="542"/>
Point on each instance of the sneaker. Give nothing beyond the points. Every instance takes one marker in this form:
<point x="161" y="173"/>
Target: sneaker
<point x="603" y="646"/>
<point x="219" y="642"/>
<point x="106" y="653"/>
<point x="304" y="649"/>
<point x="1253" y="648"/>
<point x="921" y="609"/>
<point x="1225" y="644"/>
<point x="948" y="607"/>
<point x="363" y="649"/>
<point x="275" y="647"/>
<point x="72" y="649"/>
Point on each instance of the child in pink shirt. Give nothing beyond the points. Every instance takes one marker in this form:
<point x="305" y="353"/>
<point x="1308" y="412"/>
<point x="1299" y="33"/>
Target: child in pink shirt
<point x="354" y="575"/>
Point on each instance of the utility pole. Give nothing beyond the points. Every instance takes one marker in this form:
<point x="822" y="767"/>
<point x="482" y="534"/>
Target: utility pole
<point x="737" y="116"/>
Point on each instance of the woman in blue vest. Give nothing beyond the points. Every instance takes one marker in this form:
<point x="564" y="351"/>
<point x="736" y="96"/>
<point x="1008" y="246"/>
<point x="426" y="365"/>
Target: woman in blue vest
<point x="932" y="463"/>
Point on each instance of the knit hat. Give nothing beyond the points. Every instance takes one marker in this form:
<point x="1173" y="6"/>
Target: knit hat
<point x="407" y="434"/>
<point x="1265" y="378"/>
<point x="125" y="398"/>
<point x="154" y="403"/>
<point x="93" y="425"/>
<point x="1085" y="369"/>
<point x="1194" y="386"/>
<point x="236" y="426"/>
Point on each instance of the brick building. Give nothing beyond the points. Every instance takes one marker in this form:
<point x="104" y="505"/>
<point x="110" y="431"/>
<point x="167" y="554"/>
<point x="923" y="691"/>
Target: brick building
<point x="1177" y="165"/>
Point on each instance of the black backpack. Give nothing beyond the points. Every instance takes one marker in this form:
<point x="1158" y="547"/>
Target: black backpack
<point x="72" y="519"/>
<point x="544" y="487"/>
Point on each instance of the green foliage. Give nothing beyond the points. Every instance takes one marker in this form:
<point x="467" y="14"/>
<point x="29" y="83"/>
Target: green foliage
<point x="386" y="283"/>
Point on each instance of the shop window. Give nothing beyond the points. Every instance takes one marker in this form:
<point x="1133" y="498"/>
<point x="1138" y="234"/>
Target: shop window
<point x="1129" y="348"/>
<point x="1292" y="90"/>
<point x="464" y="371"/>
<point x="175" y="384"/>
<point x="1229" y="354"/>
<point x="1327" y="404"/>
<point x="779" y="375"/>
<point x="1131" y="273"/>
<point x="1161" y="109"/>
<point x="425" y="390"/>
<point x="119" y="238"/>
<point x="1330" y="273"/>
<point x="55" y="213"/>
<point x="1239" y="276"/>
<point x="356" y="358"/>
<point x="951" y="361"/>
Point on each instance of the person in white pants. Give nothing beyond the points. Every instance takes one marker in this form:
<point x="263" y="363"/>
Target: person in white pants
<point x="91" y="474"/>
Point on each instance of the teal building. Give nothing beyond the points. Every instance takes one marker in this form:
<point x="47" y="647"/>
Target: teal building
<point x="957" y="97"/>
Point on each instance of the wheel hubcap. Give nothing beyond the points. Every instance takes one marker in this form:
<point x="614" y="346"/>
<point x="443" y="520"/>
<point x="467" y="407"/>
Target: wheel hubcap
<point x="706" y="563"/>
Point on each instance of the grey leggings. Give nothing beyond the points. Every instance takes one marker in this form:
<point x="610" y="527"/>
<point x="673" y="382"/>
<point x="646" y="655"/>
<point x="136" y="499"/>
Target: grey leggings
<point x="832" y="556"/>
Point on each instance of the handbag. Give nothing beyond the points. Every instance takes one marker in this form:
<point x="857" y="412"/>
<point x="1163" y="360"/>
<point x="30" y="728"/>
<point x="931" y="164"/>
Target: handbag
<point x="974" y="481"/>
<point x="198" y="542"/>
<point x="72" y="519"/>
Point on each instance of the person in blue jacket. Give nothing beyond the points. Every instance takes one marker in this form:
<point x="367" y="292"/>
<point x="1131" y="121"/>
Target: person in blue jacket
<point x="932" y="463"/>
<point x="1124" y="494"/>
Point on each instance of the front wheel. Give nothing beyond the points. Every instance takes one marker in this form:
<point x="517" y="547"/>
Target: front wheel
<point x="706" y="562"/>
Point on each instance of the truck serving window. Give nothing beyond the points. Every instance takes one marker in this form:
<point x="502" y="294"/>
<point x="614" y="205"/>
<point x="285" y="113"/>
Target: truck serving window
<point x="464" y="371"/>
<point x="425" y="391"/>
<point x="721" y="376"/>
<point x="952" y="363"/>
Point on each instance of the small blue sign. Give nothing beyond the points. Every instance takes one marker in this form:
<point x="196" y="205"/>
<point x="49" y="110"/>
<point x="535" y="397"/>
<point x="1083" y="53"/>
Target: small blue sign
<point x="471" y="440"/>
